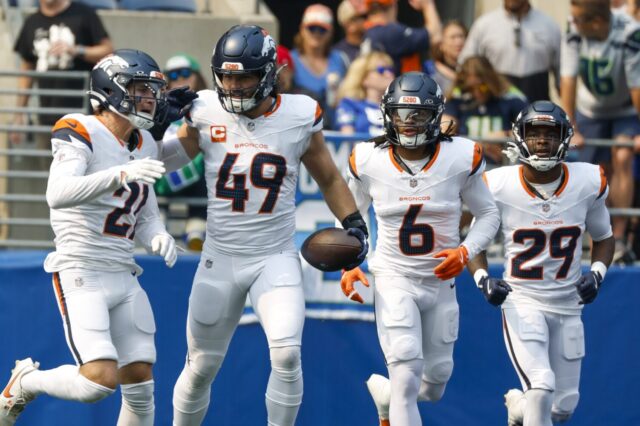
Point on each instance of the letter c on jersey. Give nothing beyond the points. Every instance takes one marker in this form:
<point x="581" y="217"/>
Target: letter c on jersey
<point x="218" y="133"/>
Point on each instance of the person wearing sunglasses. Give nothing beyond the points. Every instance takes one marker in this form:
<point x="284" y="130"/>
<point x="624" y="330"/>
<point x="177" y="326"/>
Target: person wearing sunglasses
<point x="318" y="68"/>
<point x="183" y="70"/>
<point x="360" y="93"/>
<point x="483" y="104"/>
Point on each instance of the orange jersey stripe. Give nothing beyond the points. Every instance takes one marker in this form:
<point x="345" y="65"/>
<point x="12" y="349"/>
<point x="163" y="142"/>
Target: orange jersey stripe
<point x="74" y="125"/>
<point x="352" y="162"/>
<point x="477" y="157"/>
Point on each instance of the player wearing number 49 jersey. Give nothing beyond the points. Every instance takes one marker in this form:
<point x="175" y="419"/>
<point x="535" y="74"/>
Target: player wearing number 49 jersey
<point x="546" y="206"/>
<point x="417" y="178"/>
<point x="101" y="197"/>
<point x="254" y="142"/>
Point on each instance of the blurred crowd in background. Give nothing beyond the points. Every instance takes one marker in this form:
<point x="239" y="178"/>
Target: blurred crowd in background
<point x="509" y="57"/>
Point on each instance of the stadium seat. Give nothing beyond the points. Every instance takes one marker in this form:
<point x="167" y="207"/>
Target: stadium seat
<point x="166" y="5"/>
<point x="99" y="4"/>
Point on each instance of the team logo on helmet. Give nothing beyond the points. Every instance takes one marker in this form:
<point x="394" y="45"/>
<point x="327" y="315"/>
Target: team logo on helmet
<point x="110" y="62"/>
<point x="268" y="45"/>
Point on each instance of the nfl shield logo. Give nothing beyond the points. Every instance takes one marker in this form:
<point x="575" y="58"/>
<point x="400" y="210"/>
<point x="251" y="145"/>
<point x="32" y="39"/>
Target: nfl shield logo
<point x="413" y="183"/>
<point x="546" y="207"/>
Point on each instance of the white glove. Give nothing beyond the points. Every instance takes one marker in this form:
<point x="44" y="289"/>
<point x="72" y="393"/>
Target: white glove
<point x="165" y="246"/>
<point x="145" y="170"/>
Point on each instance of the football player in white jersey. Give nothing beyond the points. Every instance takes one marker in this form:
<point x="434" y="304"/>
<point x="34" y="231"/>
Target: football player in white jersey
<point x="545" y="206"/>
<point x="100" y="191"/>
<point x="417" y="177"/>
<point x="253" y="141"/>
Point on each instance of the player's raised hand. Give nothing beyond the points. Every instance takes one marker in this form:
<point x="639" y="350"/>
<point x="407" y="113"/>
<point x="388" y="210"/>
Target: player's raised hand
<point x="165" y="246"/>
<point x="144" y="170"/>
<point x="453" y="264"/>
<point x="347" y="283"/>
<point x="494" y="290"/>
<point x="588" y="286"/>
<point x="176" y="105"/>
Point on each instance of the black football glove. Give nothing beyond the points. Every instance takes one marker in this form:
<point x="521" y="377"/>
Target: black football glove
<point x="588" y="286"/>
<point x="177" y="104"/>
<point x="356" y="226"/>
<point x="494" y="290"/>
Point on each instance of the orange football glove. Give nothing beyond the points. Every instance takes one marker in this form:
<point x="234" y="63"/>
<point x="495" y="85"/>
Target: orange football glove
<point x="454" y="263"/>
<point x="350" y="277"/>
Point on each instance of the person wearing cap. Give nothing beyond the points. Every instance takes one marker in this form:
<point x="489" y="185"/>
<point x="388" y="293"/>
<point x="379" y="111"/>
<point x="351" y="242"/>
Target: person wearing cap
<point x="285" y="64"/>
<point x="352" y="22"/>
<point x="318" y="69"/>
<point x="183" y="70"/>
<point x="404" y="44"/>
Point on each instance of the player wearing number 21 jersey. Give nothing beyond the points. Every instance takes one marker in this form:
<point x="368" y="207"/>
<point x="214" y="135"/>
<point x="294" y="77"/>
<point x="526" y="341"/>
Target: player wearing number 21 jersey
<point x="253" y="141"/>
<point x="417" y="178"/>
<point x="546" y="205"/>
<point x="100" y="192"/>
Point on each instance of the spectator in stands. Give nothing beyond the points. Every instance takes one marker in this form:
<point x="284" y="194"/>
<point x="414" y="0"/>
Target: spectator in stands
<point x="445" y="54"/>
<point x="65" y="36"/>
<point x="483" y="104"/>
<point x="521" y="43"/>
<point x="600" y="91"/>
<point x="184" y="70"/>
<point x="405" y="45"/>
<point x="360" y="94"/>
<point x="633" y="9"/>
<point x="318" y="69"/>
<point x="285" y="64"/>
<point x="352" y="23"/>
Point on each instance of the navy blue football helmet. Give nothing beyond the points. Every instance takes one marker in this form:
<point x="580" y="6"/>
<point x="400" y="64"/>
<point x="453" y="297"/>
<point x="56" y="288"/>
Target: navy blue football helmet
<point x="412" y="108"/>
<point x="244" y="49"/>
<point x="548" y="114"/>
<point x="112" y="85"/>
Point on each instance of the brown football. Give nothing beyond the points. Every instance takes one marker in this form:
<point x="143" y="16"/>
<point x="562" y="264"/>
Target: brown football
<point x="330" y="249"/>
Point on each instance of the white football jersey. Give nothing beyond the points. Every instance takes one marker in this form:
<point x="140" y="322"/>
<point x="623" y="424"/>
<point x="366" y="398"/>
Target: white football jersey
<point x="251" y="170"/>
<point x="418" y="215"/>
<point x="543" y="238"/>
<point x="98" y="234"/>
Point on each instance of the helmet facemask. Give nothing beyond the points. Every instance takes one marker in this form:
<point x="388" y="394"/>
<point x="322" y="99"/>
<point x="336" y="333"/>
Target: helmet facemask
<point x="239" y="101"/>
<point x="143" y="97"/>
<point x="412" y="126"/>
<point x="542" y="143"/>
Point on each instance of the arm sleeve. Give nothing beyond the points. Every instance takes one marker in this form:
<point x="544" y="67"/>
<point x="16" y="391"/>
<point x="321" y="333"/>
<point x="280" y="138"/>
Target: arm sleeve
<point x="632" y="59"/>
<point x="480" y="201"/>
<point x="598" y="222"/>
<point x="570" y="55"/>
<point x="68" y="186"/>
<point x="149" y="222"/>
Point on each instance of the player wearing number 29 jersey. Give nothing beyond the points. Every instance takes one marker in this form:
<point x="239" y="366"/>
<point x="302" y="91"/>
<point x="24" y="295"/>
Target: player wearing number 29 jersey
<point x="417" y="179"/>
<point x="543" y="237"/>
<point x="546" y="206"/>
<point x="253" y="141"/>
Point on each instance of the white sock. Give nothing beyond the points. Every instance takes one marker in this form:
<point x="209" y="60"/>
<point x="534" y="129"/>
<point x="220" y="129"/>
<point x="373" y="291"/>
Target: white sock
<point x="64" y="382"/>
<point x="284" y="390"/>
<point x="405" y="383"/>
<point x="138" y="407"/>
<point x="537" y="410"/>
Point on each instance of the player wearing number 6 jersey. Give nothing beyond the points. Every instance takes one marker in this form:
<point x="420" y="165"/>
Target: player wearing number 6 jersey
<point x="546" y="205"/>
<point x="417" y="178"/>
<point x="253" y="141"/>
<point x="100" y="191"/>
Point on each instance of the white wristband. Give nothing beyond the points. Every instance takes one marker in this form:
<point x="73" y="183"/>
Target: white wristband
<point x="478" y="275"/>
<point x="600" y="268"/>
